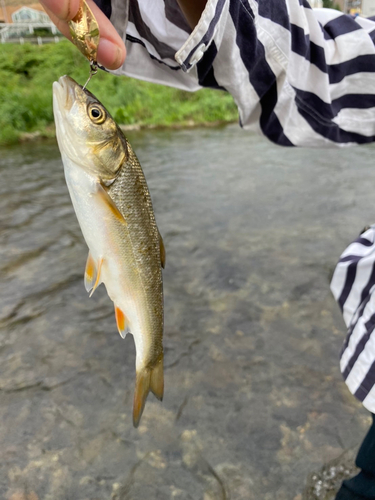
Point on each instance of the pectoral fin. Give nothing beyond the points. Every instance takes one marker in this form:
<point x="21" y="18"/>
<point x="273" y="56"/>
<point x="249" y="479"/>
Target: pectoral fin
<point x="162" y="251"/>
<point x="110" y="204"/>
<point x="121" y="322"/>
<point x="92" y="274"/>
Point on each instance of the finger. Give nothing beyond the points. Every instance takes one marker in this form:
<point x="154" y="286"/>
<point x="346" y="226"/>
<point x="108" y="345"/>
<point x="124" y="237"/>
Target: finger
<point x="60" y="24"/>
<point x="111" y="49"/>
<point x="110" y="55"/>
<point x="64" y="10"/>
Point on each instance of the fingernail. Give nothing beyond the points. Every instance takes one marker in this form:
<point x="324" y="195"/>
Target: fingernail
<point x="120" y="56"/>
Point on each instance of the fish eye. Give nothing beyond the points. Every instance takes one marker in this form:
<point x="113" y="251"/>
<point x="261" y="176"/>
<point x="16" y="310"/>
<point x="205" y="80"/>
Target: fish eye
<point x="96" y="114"/>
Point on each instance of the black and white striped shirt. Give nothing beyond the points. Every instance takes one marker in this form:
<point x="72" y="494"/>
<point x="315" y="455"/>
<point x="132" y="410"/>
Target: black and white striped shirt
<point x="353" y="286"/>
<point x="301" y="77"/>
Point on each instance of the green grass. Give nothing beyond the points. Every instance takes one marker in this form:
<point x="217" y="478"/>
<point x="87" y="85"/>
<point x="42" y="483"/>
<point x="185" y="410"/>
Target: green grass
<point x="27" y="72"/>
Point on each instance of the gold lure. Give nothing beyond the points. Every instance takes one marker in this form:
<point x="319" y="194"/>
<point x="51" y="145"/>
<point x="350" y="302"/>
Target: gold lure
<point x="84" y="30"/>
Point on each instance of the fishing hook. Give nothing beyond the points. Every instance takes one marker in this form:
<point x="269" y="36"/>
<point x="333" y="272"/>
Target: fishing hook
<point x="93" y="71"/>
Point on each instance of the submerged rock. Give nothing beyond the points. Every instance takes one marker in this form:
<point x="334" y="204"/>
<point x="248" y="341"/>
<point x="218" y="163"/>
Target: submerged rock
<point x="324" y="484"/>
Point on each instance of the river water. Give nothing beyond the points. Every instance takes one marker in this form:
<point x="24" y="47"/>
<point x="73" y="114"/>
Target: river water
<point x="254" y="402"/>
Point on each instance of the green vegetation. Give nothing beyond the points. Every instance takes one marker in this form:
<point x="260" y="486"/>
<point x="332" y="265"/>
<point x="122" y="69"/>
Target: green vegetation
<point x="26" y="76"/>
<point x="331" y="4"/>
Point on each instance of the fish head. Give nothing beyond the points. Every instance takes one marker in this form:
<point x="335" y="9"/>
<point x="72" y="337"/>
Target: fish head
<point x="86" y="132"/>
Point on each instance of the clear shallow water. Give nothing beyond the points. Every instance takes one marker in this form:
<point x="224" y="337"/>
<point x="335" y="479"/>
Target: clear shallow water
<point x="254" y="401"/>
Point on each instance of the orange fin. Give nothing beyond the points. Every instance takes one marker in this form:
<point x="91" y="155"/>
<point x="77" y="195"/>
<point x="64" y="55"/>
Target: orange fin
<point x="121" y="322"/>
<point x="90" y="273"/>
<point x="107" y="200"/>
<point x="146" y="380"/>
<point x="162" y="251"/>
<point x="97" y="281"/>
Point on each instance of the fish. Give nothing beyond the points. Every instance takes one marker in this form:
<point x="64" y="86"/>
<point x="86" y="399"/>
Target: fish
<point x="113" y="206"/>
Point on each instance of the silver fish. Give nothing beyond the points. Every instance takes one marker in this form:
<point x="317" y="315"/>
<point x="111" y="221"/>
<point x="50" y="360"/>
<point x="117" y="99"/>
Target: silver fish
<point x="113" y="206"/>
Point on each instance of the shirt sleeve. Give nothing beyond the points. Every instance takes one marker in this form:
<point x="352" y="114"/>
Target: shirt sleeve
<point x="353" y="286"/>
<point x="300" y="76"/>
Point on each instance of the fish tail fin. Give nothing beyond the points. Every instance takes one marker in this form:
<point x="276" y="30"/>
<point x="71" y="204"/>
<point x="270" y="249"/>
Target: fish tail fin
<point x="147" y="379"/>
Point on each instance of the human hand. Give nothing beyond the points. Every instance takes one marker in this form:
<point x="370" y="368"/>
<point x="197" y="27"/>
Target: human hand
<point x="111" y="50"/>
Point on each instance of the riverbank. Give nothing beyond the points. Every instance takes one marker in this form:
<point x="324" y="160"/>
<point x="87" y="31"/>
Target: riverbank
<point x="49" y="132"/>
<point x="27" y="73"/>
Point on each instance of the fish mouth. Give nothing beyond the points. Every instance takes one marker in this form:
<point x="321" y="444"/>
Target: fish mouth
<point x="69" y="109"/>
<point x="64" y="90"/>
<point x="64" y="99"/>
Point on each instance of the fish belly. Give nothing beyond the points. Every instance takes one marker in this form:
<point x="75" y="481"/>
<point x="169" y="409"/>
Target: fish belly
<point x="108" y="240"/>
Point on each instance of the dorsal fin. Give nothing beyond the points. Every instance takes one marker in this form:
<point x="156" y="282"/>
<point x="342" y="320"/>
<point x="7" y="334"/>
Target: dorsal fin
<point x="162" y="251"/>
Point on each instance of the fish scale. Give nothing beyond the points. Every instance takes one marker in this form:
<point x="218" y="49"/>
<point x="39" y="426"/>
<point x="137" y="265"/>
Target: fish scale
<point x="130" y="193"/>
